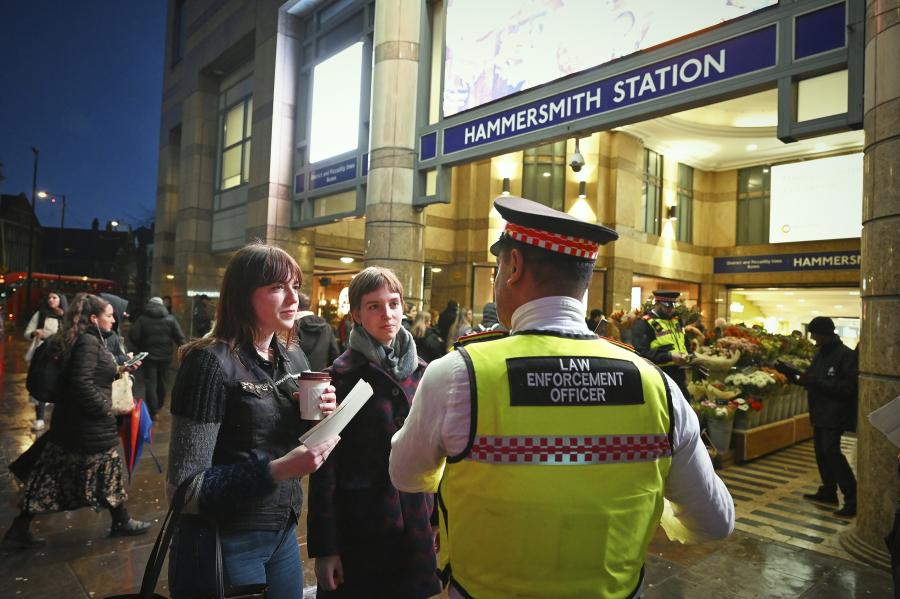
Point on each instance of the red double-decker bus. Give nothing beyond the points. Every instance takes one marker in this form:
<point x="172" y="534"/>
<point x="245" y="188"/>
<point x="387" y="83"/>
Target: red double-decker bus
<point x="13" y="286"/>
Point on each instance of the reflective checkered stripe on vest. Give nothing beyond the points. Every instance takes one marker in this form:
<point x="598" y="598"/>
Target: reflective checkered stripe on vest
<point x="561" y="488"/>
<point x="668" y="333"/>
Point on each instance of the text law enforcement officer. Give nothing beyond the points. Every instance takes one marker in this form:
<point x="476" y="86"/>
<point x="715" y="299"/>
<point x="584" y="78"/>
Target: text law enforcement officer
<point x="659" y="336"/>
<point x="554" y="449"/>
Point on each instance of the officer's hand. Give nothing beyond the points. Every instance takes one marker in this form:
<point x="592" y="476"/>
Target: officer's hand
<point x="678" y="358"/>
<point x="329" y="572"/>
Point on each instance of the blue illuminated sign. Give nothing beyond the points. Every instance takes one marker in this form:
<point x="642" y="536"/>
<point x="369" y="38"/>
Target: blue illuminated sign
<point x="737" y="56"/>
<point x="332" y="174"/>
<point x="839" y="260"/>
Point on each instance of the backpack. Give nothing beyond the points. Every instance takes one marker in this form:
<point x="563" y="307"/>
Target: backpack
<point x="45" y="371"/>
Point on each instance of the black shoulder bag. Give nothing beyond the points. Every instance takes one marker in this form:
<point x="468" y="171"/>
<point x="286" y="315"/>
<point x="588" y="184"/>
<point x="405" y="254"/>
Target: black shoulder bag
<point x="161" y="547"/>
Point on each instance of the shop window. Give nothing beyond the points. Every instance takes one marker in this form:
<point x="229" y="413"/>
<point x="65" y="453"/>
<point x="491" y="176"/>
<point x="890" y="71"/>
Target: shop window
<point x="753" y="204"/>
<point x="651" y="193"/>
<point x="684" y="226"/>
<point x="544" y="174"/>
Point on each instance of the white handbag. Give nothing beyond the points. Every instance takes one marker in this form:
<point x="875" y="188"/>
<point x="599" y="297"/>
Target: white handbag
<point x="122" y="397"/>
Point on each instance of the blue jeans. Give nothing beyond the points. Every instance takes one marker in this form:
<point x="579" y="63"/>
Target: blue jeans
<point x="248" y="557"/>
<point x="256" y="556"/>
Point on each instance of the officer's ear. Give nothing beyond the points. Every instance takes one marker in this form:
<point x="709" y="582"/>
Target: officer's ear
<point x="516" y="266"/>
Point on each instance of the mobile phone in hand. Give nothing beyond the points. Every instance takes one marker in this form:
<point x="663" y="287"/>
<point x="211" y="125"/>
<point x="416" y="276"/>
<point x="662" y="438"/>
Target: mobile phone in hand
<point x="136" y="358"/>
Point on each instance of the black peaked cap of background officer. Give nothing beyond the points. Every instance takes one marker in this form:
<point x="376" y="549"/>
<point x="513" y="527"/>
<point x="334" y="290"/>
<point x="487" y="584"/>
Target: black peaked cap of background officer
<point x="662" y="296"/>
<point x="540" y="226"/>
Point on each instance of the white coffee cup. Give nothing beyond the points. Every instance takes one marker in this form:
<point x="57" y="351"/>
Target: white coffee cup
<point x="312" y="386"/>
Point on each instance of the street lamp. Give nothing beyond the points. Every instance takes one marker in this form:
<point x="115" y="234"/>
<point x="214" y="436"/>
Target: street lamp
<point x="62" y="224"/>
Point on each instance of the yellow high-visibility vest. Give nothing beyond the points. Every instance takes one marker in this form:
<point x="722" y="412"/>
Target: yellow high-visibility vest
<point x="669" y="332"/>
<point x="561" y="486"/>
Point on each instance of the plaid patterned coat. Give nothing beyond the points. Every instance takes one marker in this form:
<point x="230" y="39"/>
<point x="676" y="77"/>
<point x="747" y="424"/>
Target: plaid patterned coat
<point x="384" y="537"/>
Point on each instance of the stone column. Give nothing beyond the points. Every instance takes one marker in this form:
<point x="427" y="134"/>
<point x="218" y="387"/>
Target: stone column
<point x="394" y="229"/>
<point x="879" y="380"/>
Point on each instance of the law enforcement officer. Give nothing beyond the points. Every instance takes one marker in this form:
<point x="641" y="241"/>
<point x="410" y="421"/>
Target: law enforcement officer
<point x="659" y="337"/>
<point x="553" y="448"/>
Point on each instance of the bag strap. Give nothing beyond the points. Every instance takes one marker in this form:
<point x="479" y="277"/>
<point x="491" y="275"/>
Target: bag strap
<point x="164" y="539"/>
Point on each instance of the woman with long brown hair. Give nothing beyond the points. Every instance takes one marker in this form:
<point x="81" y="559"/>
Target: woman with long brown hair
<point x="80" y="465"/>
<point x="235" y="424"/>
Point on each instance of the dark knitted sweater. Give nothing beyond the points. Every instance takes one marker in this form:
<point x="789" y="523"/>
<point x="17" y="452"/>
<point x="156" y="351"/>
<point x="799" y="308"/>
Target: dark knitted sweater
<point x="233" y="413"/>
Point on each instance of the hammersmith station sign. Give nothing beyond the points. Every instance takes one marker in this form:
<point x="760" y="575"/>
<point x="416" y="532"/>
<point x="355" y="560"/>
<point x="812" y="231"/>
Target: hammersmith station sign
<point x="737" y="56"/>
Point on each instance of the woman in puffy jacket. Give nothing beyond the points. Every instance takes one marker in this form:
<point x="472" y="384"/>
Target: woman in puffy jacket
<point x="43" y="323"/>
<point x="80" y="467"/>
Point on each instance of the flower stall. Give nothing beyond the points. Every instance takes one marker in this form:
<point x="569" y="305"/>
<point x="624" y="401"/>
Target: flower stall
<point x="740" y="395"/>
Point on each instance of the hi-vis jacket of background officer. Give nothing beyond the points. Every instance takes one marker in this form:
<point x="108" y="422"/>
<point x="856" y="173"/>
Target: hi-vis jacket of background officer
<point x="571" y="438"/>
<point x="656" y="338"/>
<point x="439" y="426"/>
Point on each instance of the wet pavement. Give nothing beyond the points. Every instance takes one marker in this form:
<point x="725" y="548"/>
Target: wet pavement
<point x="783" y="545"/>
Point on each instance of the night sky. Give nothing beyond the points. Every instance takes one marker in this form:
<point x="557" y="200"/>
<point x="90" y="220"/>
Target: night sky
<point x="82" y="82"/>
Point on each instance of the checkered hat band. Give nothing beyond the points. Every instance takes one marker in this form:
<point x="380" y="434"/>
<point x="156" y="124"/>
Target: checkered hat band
<point x="563" y="244"/>
<point x="567" y="451"/>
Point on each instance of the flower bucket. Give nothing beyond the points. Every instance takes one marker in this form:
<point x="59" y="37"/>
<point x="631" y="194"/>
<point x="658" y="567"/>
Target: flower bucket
<point x="742" y="420"/>
<point x="719" y="430"/>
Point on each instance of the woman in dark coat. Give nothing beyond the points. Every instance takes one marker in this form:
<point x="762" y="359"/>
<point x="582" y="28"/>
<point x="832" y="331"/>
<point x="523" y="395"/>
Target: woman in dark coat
<point x="369" y="539"/>
<point x="429" y="344"/>
<point x="80" y="467"/>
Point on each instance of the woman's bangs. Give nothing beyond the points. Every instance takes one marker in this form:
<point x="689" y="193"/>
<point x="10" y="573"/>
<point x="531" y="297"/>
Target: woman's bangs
<point x="279" y="267"/>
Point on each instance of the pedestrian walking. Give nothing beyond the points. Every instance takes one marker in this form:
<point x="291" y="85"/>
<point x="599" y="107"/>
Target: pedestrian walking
<point x="369" y="539"/>
<point x="44" y="323"/>
<point x="517" y="432"/>
<point x="235" y="421"/>
<point x="157" y="333"/>
<point x="79" y="466"/>
<point x="831" y="385"/>
<point x="316" y="336"/>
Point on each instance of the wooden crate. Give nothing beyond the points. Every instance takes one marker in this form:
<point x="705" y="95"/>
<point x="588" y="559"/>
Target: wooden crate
<point x="755" y="442"/>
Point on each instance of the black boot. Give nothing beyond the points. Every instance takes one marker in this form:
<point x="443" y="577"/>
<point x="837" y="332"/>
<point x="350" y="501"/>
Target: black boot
<point x="19" y="535"/>
<point x="124" y="525"/>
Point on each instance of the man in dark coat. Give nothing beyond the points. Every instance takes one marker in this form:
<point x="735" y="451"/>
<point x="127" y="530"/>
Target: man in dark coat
<point x="202" y="318"/>
<point x="156" y="332"/>
<point x="831" y="385"/>
<point x="316" y="336"/>
<point x="447" y="319"/>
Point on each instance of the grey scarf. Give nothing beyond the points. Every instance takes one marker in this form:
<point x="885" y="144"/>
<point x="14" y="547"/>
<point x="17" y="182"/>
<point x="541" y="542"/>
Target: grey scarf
<point x="400" y="359"/>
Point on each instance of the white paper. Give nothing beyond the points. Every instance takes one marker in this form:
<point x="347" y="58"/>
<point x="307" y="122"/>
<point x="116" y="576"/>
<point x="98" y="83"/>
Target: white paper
<point x="341" y="417"/>
<point x="887" y="420"/>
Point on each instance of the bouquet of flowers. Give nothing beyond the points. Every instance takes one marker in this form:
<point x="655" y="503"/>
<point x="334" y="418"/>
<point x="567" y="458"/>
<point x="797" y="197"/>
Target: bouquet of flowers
<point x="722" y="409"/>
<point x="755" y="382"/>
<point x="720" y="391"/>
<point x="716" y="358"/>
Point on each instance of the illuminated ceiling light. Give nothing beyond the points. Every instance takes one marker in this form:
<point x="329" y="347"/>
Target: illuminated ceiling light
<point x="546" y="173"/>
<point x="84" y="277"/>
<point x="752" y="147"/>
<point x="346" y="259"/>
<point x="736" y="307"/>
<point x="838" y="307"/>
<point x="771" y="288"/>
<point x="765" y="170"/>
<point x="436" y="269"/>
<point x="854" y="293"/>
<point x="42" y="194"/>
<point x="170" y="277"/>
<point x="789" y="293"/>
<point x="719" y="300"/>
